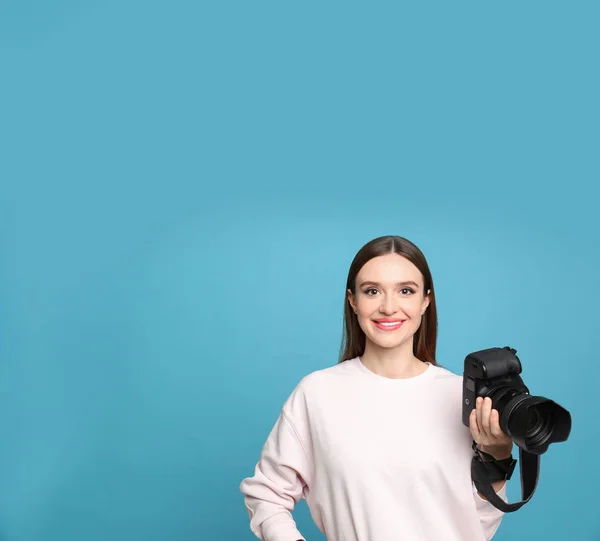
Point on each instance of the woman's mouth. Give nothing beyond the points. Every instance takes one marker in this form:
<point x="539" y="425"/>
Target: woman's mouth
<point x="388" y="325"/>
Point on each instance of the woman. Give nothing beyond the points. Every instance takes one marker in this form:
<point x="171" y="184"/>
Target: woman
<point x="376" y="443"/>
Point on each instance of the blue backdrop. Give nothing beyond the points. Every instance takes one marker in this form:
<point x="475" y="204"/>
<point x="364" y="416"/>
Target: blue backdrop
<point x="183" y="188"/>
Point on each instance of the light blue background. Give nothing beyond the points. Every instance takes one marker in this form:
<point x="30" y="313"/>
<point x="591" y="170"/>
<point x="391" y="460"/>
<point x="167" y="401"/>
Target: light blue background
<point x="183" y="188"/>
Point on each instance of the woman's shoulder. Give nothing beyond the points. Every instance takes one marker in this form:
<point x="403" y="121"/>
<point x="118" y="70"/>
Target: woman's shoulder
<point x="447" y="382"/>
<point x="329" y="375"/>
<point x="325" y="379"/>
<point x="318" y="385"/>
<point x="446" y="373"/>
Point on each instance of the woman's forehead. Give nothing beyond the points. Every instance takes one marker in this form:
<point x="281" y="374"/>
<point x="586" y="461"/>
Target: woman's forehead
<point x="389" y="269"/>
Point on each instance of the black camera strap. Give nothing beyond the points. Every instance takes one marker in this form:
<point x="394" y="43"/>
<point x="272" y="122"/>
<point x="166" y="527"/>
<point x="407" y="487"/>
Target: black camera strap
<point x="484" y="473"/>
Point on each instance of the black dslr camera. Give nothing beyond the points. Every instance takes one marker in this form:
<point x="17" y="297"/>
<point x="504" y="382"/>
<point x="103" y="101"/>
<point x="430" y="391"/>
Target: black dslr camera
<point x="533" y="422"/>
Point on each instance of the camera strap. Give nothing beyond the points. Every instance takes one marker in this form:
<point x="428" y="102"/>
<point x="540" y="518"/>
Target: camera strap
<point x="484" y="473"/>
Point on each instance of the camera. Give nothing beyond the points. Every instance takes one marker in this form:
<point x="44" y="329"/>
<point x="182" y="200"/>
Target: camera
<point x="533" y="422"/>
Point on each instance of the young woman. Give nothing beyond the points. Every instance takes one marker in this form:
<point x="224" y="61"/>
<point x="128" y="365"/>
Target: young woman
<point x="376" y="443"/>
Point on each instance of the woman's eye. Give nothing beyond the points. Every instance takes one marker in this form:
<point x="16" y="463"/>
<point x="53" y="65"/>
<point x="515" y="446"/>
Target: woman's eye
<point x="404" y="291"/>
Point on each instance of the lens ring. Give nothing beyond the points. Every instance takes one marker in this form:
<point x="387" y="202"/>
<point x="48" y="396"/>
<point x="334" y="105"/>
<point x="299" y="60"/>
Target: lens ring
<point x="540" y="433"/>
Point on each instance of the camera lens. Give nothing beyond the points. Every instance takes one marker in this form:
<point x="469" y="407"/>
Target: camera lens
<point x="534" y="422"/>
<point x="541" y="430"/>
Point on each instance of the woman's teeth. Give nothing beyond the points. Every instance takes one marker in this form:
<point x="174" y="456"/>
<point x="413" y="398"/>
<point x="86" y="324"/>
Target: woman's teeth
<point x="388" y="325"/>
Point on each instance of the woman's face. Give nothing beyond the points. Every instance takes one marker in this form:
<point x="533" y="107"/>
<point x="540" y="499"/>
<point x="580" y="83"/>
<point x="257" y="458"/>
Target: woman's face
<point x="389" y="300"/>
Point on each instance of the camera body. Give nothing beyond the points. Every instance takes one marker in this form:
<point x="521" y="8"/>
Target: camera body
<point x="485" y="372"/>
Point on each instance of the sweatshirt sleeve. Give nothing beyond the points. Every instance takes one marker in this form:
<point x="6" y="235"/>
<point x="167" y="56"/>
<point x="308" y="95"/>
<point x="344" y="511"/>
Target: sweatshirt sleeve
<point x="278" y="484"/>
<point x="489" y="515"/>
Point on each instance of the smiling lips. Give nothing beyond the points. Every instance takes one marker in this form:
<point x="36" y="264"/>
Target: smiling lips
<point x="388" y="324"/>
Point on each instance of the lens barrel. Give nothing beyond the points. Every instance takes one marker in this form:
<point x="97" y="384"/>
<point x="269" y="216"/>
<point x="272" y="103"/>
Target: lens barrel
<point x="533" y="422"/>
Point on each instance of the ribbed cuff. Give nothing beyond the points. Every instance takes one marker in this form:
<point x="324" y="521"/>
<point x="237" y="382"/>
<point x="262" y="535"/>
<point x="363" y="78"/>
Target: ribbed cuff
<point x="280" y="527"/>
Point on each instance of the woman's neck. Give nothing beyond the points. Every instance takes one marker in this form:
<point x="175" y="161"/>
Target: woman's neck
<point x="396" y="363"/>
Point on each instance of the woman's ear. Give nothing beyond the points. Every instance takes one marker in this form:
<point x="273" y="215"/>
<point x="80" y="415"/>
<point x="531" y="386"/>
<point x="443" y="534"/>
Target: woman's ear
<point x="426" y="302"/>
<point x="351" y="300"/>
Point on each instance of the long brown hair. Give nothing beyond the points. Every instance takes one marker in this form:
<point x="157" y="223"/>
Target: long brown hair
<point x="424" y="341"/>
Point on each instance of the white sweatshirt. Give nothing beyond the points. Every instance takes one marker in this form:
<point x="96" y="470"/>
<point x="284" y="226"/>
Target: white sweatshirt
<point x="377" y="459"/>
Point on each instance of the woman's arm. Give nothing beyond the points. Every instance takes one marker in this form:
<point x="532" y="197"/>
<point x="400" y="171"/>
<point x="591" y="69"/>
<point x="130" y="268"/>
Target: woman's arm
<point x="281" y="475"/>
<point x="499" y="453"/>
<point x="484" y="423"/>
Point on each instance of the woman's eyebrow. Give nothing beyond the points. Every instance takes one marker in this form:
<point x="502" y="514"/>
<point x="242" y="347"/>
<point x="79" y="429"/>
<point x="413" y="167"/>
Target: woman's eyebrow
<point x="406" y="283"/>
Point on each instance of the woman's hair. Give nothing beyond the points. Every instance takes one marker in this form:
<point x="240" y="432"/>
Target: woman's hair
<point x="353" y="339"/>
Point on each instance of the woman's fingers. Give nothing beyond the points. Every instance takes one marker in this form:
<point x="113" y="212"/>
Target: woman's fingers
<point x="478" y="408"/>
<point x="486" y="411"/>
<point x="495" y="425"/>
<point x="473" y="425"/>
<point x="484" y="422"/>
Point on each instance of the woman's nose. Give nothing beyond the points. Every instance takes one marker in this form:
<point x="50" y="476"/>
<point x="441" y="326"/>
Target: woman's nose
<point x="389" y="305"/>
